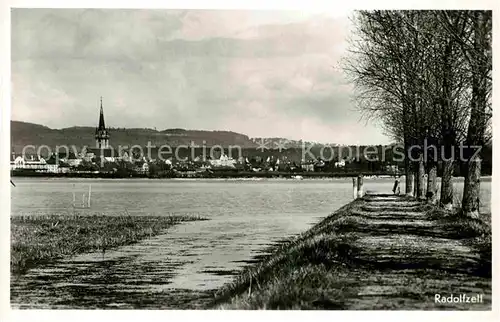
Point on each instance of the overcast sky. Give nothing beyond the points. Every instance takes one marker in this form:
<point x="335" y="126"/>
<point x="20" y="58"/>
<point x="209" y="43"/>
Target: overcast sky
<point x="271" y="74"/>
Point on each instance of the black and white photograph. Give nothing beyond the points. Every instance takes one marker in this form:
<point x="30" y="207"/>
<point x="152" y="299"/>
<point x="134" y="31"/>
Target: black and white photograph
<point x="249" y="159"/>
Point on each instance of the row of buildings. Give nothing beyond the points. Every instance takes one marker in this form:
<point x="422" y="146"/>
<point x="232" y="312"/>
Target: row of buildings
<point x="103" y="153"/>
<point x="61" y="163"/>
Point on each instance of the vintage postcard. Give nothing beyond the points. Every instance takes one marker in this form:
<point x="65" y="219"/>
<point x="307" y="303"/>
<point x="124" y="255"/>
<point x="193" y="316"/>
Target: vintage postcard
<point x="249" y="159"/>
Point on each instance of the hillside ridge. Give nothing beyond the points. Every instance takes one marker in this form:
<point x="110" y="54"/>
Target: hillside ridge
<point x="26" y="133"/>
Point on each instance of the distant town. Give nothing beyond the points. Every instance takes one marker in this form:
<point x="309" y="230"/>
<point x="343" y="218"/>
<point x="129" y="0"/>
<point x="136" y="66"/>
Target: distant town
<point x="271" y="157"/>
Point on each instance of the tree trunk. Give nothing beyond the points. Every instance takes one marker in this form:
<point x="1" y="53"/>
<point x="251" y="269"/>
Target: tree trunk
<point x="420" y="179"/>
<point x="446" y="199"/>
<point x="477" y="122"/>
<point x="447" y="131"/>
<point x="472" y="184"/>
<point x="408" y="174"/>
<point x="409" y="183"/>
<point x="432" y="184"/>
<point x="415" y="183"/>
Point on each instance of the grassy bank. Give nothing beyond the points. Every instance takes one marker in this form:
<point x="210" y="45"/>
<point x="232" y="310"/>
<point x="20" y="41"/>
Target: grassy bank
<point x="216" y="174"/>
<point x="369" y="255"/>
<point x="40" y="239"/>
<point x="296" y="272"/>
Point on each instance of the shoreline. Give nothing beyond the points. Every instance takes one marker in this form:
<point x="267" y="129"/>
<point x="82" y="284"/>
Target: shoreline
<point x="270" y="177"/>
<point x="202" y="175"/>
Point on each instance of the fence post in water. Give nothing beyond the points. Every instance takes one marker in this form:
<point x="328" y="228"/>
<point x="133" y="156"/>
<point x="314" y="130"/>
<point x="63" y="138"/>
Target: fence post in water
<point x="354" y="188"/>
<point x="360" y="186"/>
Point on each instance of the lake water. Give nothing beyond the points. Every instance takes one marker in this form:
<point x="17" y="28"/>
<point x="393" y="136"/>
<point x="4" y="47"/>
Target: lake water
<point x="245" y="216"/>
<point x="289" y="202"/>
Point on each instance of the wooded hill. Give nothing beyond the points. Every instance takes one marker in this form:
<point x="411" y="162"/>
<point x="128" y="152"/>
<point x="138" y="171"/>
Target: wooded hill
<point x="23" y="134"/>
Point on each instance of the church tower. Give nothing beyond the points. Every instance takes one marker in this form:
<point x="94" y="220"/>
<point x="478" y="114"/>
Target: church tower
<point x="101" y="134"/>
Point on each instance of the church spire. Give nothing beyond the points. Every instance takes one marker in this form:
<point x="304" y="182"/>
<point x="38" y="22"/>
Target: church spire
<point x="101" y="134"/>
<point x="101" y="118"/>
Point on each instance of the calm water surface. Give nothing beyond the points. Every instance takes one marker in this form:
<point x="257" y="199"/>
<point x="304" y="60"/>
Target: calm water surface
<point x="245" y="216"/>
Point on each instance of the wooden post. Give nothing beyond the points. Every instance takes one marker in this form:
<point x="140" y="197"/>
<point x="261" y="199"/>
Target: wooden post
<point x="360" y="186"/>
<point x="354" y="188"/>
<point x="90" y="189"/>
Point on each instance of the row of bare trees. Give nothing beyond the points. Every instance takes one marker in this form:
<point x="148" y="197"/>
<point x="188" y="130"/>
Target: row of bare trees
<point x="426" y="75"/>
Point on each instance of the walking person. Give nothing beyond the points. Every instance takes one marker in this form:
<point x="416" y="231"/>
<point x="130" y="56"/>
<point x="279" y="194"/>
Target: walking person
<point x="396" y="189"/>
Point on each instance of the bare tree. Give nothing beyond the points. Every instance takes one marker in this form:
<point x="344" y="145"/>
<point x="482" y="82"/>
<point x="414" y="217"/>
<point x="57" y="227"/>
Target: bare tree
<point x="473" y="37"/>
<point x="417" y="71"/>
<point x="388" y="65"/>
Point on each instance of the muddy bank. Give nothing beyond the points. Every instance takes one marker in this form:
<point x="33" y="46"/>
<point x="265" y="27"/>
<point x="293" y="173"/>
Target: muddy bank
<point x="178" y="269"/>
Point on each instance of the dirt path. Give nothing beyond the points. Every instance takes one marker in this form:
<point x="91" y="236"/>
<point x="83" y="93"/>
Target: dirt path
<point x="403" y="247"/>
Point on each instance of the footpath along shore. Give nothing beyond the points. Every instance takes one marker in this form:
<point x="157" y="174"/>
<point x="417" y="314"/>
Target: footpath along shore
<point x="377" y="252"/>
